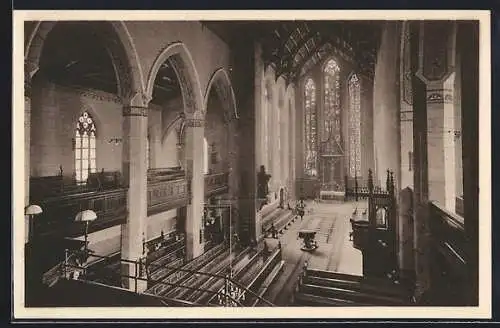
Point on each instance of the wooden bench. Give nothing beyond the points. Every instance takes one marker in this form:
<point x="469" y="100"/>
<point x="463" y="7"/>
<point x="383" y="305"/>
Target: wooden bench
<point x="303" y="299"/>
<point x="360" y="286"/>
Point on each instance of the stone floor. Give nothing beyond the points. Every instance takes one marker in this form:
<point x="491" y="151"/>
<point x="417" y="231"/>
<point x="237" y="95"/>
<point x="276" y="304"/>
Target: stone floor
<point x="330" y="220"/>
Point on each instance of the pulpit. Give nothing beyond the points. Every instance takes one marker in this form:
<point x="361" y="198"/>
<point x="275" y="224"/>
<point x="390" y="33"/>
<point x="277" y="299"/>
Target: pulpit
<point x="376" y="235"/>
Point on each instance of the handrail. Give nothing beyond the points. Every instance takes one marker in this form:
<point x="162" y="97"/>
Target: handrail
<point x="450" y="217"/>
<point x="214" y="275"/>
<point x="177" y="285"/>
<point x="156" y="282"/>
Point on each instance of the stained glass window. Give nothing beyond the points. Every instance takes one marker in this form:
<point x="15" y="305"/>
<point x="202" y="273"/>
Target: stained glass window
<point x="85" y="147"/>
<point x="310" y="129"/>
<point x="331" y="115"/>
<point x="354" y="127"/>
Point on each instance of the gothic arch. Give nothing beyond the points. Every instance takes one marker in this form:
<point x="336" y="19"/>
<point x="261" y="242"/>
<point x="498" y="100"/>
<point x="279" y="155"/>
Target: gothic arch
<point x="178" y="123"/>
<point x="123" y="53"/>
<point x="222" y="84"/>
<point x="84" y="107"/>
<point x="181" y="60"/>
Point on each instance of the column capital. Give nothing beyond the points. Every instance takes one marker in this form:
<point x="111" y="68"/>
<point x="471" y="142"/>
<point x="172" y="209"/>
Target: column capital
<point x="439" y="95"/>
<point x="135" y="111"/>
<point x="136" y="99"/>
<point x="196" y="119"/>
<point x="194" y="122"/>
<point x="437" y="40"/>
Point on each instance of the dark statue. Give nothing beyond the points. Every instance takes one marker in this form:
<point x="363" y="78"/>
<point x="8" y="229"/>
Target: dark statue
<point x="262" y="183"/>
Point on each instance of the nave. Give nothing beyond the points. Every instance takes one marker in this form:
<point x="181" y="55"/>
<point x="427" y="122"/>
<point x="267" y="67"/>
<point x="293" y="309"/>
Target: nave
<point x="330" y="220"/>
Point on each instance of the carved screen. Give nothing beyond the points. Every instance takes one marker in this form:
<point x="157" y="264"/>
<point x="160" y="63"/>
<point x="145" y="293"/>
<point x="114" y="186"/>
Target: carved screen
<point x="310" y="129"/>
<point x="331" y="114"/>
<point x="354" y="127"/>
<point x="85" y="148"/>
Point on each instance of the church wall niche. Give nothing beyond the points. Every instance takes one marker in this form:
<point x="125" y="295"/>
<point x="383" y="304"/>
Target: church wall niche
<point x="55" y="111"/>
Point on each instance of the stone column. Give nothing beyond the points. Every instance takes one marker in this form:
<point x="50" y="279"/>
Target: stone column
<point x="386" y="105"/>
<point x="29" y="71"/>
<point x="436" y="71"/>
<point x="194" y="168"/>
<point x="290" y="142"/>
<point x="273" y="144"/>
<point x="468" y="46"/>
<point x="233" y="171"/>
<point x="135" y="127"/>
<point x="406" y="113"/>
<point x="432" y="110"/>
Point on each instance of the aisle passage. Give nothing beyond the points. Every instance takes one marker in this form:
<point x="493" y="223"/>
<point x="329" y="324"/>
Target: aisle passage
<point x="335" y="252"/>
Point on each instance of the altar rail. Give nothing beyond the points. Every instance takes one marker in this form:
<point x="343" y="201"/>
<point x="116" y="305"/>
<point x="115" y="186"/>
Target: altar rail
<point x="356" y="188"/>
<point x="216" y="183"/>
<point x="164" y="195"/>
<point x="58" y="216"/>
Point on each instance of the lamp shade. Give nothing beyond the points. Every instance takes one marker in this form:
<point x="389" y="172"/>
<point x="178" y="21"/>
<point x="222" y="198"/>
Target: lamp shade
<point x="33" y="210"/>
<point x="87" y="215"/>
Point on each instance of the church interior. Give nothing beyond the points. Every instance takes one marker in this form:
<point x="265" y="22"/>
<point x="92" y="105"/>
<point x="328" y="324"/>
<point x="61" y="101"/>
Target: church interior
<point x="251" y="163"/>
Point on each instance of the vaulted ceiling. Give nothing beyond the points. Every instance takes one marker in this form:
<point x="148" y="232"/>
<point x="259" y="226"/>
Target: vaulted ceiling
<point x="75" y="54"/>
<point x="294" y="47"/>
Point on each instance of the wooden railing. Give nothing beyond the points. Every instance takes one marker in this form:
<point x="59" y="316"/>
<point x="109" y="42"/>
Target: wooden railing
<point x="450" y="281"/>
<point x="216" y="183"/>
<point x="165" y="174"/>
<point x="459" y="205"/>
<point x="447" y="231"/>
<point x="57" y="185"/>
<point x="58" y="217"/>
<point x="167" y="194"/>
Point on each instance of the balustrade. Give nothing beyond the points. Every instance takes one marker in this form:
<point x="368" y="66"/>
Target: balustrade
<point x="447" y="231"/>
<point x="216" y="183"/>
<point x="164" y="195"/>
<point x="58" y="217"/>
<point x="450" y="280"/>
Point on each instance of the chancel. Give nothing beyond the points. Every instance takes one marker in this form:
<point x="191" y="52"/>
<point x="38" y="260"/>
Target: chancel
<point x="251" y="163"/>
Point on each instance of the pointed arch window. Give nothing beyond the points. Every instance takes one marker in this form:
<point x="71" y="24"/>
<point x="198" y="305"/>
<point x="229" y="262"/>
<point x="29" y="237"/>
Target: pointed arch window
<point x="354" y="126"/>
<point x="310" y="129"/>
<point x="85" y="147"/>
<point x="332" y="113"/>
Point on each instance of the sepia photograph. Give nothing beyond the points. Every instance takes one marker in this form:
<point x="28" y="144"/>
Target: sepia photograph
<point x="251" y="164"/>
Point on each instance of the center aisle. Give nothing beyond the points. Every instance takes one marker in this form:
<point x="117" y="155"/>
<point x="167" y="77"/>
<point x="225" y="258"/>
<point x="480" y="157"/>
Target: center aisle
<point x="332" y="226"/>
